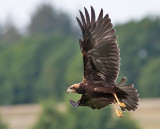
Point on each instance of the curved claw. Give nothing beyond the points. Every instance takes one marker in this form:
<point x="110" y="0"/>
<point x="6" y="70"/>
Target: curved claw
<point x="119" y="114"/>
<point x="121" y="104"/>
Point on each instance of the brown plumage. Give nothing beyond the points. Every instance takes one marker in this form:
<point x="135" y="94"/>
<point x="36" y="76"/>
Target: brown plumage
<point x="101" y="66"/>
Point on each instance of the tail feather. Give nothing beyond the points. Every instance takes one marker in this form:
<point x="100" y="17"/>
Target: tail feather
<point x="130" y="98"/>
<point x="129" y="105"/>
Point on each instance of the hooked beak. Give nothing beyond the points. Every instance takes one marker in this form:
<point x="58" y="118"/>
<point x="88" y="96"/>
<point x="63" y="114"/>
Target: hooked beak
<point x="69" y="90"/>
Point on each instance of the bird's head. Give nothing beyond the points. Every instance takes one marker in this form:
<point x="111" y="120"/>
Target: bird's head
<point x="73" y="88"/>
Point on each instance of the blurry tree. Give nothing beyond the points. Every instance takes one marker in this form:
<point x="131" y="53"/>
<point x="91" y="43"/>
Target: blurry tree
<point x="34" y="68"/>
<point x="52" y="118"/>
<point x="75" y="69"/>
<point x="139" y="42"/>
<point x="1" y="31"/>
<point x="10" y="33"/>
<point x="149" y="80"/>
<point x="51" y="79"/>
<point x="47" y="20"/>
<point x="126" y="123"/>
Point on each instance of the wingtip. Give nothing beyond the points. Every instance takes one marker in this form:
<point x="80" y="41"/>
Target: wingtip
<point x="77" y="18"/>
<point x="101" y="10"/>
<point x="80" y="11"/>
<point x="82" y="16"/>
<point x="85" y="10"/>
<point x="100" y="15"/>
<point x="92" y="9"/>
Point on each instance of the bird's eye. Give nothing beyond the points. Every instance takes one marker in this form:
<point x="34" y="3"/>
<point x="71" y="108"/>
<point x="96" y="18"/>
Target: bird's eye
<point x="72" y="88"/>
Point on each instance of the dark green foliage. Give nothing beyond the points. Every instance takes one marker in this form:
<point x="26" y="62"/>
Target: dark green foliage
<point x="11" y="34"/>
<point x="47" y="20"/>
<point x="139" y="44"/>
<point x="52" y="118"/>
<point x="35" y="68"/>
<point x="149" y="80"/>
<point x="80" y="118"/>
<point x="75" y="69"/>
<point x="126" y="123"/>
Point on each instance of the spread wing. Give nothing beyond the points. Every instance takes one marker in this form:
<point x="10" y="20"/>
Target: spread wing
<point x="99" y="48"/>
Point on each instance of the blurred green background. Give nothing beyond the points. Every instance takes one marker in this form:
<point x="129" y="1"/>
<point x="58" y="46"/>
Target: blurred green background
<point x="38" y="66"/>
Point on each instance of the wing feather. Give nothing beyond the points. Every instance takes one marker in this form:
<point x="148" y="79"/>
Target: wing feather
<point x="100" y="17"/>
<point x="83" y="19"/>
<point x="87" y="17"/>
<point x="99" y="47"/>
<point x="93" y="17"/>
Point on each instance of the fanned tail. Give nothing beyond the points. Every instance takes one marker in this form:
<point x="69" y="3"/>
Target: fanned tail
<point x="131" y="96"/>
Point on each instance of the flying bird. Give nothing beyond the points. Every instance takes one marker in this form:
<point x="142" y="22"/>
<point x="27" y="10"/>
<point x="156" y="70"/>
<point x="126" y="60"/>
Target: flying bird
<point x="101" y="61"/>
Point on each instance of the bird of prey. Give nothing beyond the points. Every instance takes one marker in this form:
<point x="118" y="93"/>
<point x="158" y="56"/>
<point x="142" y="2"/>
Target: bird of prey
<point x="101" y="63"/>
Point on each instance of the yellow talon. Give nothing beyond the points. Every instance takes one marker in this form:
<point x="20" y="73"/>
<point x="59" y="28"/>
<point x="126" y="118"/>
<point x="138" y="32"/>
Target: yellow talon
<point x="122" y="104"/>
<point x="119" y="103"/>
<point x="119" y="114"/>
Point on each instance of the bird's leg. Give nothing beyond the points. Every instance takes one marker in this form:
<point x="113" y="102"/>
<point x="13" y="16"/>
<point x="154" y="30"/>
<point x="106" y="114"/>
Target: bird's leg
<point x="119" y="103"/>
<point x="119" y="114"/>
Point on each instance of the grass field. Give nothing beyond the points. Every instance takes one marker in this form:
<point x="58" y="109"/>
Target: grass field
<point x="148" y="114"/>
<point x="25" y="116"/>
<point x="20" y="116"/>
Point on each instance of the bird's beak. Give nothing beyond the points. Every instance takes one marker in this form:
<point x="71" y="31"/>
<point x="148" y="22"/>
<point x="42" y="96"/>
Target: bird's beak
<point x="69" y="90"/>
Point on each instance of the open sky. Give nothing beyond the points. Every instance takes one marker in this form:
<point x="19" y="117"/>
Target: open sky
<point x="120" y="11"/>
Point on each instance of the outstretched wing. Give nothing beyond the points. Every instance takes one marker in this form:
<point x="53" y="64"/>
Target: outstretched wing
<point x="99" y="48"/>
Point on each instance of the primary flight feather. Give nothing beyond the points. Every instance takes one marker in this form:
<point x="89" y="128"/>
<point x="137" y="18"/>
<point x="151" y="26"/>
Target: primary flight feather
<point x="101" y="63"/>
